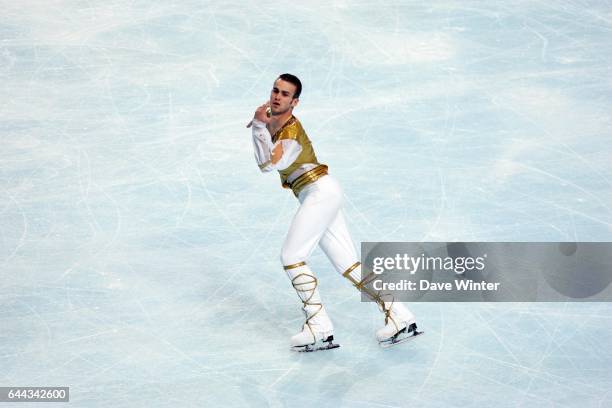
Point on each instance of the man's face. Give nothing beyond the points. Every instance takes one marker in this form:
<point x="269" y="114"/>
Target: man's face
<point x="281" y="97"/>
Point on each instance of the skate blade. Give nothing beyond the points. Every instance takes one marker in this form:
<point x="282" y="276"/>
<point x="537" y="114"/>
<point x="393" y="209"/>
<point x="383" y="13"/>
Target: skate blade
<point x="401" y="337"/>
<point x="326" y="344"/>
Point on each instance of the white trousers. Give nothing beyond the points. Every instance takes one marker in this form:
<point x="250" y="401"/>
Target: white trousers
<point x="319" y="221"/>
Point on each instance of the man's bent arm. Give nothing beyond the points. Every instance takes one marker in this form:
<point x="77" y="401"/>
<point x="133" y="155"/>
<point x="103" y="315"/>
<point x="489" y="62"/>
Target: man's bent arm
<point x="266" y="153"/>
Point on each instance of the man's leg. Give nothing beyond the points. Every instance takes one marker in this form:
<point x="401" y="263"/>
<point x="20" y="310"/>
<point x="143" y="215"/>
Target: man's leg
<point x="316" y="211"/>
<point x="337" y="244"/>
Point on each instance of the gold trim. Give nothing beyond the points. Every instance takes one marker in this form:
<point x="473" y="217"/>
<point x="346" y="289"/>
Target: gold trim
<point x="289" y="122"/>
<point x="358" y="284"/>
<point x="307" y="178"/>
<point x="349" y="270"/>
<point x="297" y="265"/>
<point x="376" y="297"/>
<point x="307" y="302"/>
<point x="261" y="166"/>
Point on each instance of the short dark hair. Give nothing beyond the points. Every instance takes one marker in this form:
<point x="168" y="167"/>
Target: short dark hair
<point x="292" y="79"/>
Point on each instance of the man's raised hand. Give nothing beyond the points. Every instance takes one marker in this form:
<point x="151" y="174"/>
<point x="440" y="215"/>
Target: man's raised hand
<point x="261" y="114"/>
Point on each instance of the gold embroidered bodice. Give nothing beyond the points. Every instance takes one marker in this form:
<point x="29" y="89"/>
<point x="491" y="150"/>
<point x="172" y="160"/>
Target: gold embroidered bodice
<point x="292" y="129"/>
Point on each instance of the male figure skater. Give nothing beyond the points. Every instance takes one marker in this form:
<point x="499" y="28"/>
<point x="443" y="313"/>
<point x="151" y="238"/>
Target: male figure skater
<point x="281" y="144"/>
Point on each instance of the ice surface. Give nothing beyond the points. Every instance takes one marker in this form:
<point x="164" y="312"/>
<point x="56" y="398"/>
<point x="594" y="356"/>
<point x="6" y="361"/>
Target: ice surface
<point x="139" y="243"/>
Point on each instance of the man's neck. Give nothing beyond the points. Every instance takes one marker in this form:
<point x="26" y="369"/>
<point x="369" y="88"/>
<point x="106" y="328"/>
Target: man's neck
<point x="277" y="122"/>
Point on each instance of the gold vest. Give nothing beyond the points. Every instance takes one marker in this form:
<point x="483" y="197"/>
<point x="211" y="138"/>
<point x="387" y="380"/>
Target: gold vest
<point x="292" y="129"/>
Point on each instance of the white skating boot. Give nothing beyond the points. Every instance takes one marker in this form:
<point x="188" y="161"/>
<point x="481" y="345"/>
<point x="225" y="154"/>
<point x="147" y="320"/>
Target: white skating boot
<point x="318" y="331"/>
<point x="400" y="323"/>
<point x="313" y="336"/>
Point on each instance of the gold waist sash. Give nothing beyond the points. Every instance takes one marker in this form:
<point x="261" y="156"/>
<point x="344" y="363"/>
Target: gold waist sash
<point x="307" y="178"/>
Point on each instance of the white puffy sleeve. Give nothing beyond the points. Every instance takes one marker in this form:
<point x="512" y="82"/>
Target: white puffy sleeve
<point x="263" y="146"/>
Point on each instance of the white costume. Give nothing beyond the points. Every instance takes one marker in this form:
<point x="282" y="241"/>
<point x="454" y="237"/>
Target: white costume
<point x="319" y="220"/>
